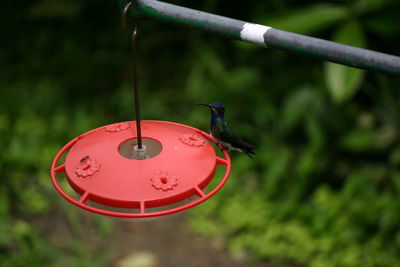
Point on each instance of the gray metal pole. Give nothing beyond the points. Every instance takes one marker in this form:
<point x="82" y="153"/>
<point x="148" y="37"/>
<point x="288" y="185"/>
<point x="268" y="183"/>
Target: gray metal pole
<point x="265" y="36"/>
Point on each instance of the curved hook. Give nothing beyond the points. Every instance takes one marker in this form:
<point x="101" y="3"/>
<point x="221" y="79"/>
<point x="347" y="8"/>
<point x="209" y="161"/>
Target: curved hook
<point x="125" y="12"/>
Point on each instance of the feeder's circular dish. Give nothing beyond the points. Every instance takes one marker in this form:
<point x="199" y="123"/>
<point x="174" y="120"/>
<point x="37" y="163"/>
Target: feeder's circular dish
<point x="108" y="182"/>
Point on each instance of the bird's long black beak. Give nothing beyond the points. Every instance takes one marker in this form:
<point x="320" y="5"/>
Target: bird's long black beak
<point x="203" y="104"/>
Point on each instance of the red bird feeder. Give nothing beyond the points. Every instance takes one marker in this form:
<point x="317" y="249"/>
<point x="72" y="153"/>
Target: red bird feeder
<point x="100" y="167"/>
<point x="139" y="169"/>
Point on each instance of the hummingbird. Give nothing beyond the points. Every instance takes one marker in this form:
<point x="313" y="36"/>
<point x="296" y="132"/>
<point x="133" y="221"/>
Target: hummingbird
<point x="222" y="134"/>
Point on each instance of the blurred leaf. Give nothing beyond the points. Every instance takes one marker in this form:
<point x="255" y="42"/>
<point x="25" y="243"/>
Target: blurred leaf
<point x="364" y="6"/>
<point x="105" y="226"/>
<point x="384" y="24"/>
<point x="4" y="202"/>
<point x="21" y="228"/>
<point x="395" y="156"/>
<point x="342" y="81"/>
<point x="298" y="105"/>
<point x="359" y="140"/>
<point x="310" y="19"/>
<point x="6" y="233"/>
<point x="34" y="202"/>
<point x="56" y="9"/>
<point x="367" y="139"/>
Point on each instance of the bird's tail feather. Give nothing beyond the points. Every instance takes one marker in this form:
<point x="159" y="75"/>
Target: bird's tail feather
<point x="248" y="149"/>
<point x="249" y="153"/>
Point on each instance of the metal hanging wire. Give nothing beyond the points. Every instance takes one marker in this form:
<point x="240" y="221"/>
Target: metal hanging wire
<point x="136" y="86"/>
<point x="139" y="151"/>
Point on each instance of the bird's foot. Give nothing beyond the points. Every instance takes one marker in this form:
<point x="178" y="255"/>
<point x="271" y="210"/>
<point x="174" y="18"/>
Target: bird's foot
<point x="219" y="144"/>
<point x="222" y="146"/>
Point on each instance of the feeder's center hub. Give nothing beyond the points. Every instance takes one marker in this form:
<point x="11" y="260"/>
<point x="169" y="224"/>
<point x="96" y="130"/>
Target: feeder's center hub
<point x="151" y="148"/>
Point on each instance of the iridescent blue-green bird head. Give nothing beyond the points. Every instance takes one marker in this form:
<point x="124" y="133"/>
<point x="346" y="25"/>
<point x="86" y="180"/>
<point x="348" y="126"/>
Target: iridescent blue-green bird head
<point x="216" y="108"/>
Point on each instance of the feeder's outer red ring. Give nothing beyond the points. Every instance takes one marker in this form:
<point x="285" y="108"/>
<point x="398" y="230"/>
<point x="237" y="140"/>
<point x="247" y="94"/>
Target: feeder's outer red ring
<point x="142" y="214"/>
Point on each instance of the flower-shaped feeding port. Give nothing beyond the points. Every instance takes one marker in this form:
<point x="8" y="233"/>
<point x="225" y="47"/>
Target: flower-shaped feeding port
<point x="164" y="181"/>
<point x="87" y="167"/>
<point x="117" y="127"/>
<point x="193" y="140"/>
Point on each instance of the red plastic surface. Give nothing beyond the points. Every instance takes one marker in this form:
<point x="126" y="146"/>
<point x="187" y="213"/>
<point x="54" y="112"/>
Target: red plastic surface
<point x="97" y="171"/>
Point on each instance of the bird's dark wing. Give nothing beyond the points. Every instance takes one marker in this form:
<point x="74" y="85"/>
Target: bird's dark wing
<point x="238" y="143"/>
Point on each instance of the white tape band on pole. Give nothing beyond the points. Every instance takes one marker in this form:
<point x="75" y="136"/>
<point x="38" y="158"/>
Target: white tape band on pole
<point x="254" y="33"/>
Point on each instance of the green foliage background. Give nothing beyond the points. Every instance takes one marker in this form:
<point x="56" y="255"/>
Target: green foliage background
<point x="324" y="188"/>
